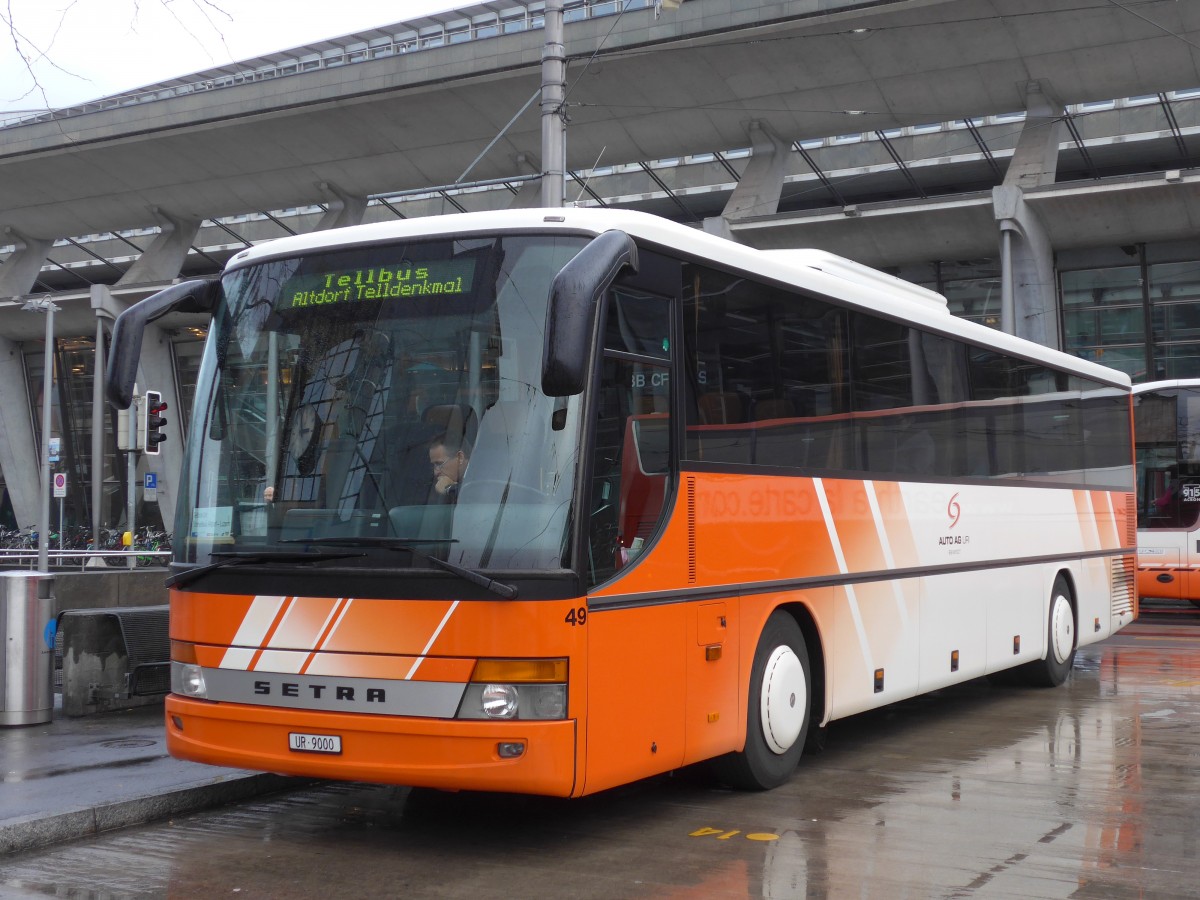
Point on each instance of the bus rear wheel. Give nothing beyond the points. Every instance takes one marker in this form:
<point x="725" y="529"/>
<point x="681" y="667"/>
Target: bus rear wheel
<point x="777" y="714"/>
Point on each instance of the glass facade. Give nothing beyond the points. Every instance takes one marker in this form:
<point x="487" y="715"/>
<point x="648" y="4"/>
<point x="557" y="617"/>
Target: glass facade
<point x="1134" y="308"/>
<point x="71" y="425"/>
<point x="971" y="287"/>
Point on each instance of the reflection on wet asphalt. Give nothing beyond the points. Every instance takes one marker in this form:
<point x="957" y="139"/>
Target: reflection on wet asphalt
<point x="976" y="791"/>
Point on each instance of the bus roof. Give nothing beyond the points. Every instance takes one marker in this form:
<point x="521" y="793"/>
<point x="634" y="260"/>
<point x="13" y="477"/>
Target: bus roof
<point x="815" y="270"/>
<point x="1166" y="384"/>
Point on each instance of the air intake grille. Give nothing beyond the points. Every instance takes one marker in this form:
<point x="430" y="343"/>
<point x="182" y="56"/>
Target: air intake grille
<point x="1123" y="577"/>
<point x="1130" y="521"/>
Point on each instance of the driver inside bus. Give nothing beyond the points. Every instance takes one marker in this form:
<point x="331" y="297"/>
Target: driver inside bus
<point x="449" y="457"/>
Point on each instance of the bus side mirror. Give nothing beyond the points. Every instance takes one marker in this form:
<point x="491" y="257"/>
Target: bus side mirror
<point x="576" y="304"/>
<point x="190" y="296"/>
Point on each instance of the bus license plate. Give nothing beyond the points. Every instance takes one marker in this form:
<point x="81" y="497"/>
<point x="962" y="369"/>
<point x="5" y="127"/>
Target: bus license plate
<point x="314" y="743"/>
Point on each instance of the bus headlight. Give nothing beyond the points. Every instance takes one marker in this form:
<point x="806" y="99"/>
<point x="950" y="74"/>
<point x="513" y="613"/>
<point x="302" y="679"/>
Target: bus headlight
<point x="514" y="701"/>
<point x="187" y="679"/>
<point x="516" y="689"/>
<point x="500" y="701"/>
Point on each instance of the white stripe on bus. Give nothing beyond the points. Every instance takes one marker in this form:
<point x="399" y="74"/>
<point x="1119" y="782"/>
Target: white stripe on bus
<point x="885" y="545"/>
<point x="859" y="629"/>
<point x="250" y="633"/>
<point x="442" y="624"/>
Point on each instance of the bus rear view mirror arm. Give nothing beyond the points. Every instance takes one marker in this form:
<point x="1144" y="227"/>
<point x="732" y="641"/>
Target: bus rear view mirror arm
<point x="198" y="296"/>
<point x="576" y="307"/>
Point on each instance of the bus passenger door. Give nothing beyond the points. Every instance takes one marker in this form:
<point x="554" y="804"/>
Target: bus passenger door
<point x="711" y="717"/>
<point x="637" y="670"/>
<point x="1189" y="538"/>
<point x="1165" y="546"/>
<point x="635" y="695"/>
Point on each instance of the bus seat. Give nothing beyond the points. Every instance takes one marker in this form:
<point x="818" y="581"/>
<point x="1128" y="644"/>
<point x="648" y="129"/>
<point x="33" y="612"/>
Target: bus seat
<point x="720" y="407"/>
<point x="644" y="471"/>
<point x="340" y="488"/>
<point x="401" y="455"/>
<point x="650" y="403"/>
<point x="774" y="408"/>
<point x="457" y="420"/>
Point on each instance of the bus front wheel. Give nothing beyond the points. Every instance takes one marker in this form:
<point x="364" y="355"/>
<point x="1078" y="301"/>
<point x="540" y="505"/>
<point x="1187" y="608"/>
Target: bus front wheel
<point x="777" y="714"/>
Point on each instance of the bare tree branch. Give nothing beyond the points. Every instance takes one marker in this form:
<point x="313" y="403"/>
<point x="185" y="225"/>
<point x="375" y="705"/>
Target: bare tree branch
<point x="34" y="55"/>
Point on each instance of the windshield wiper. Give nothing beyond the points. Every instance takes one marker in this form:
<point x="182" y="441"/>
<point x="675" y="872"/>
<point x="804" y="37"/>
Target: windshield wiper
<point x="507" y="591"/>
<point x="241" y="558"/>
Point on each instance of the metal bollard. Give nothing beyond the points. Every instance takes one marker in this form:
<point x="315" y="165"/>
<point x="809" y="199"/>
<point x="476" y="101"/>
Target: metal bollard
<point x="27" y="627"/>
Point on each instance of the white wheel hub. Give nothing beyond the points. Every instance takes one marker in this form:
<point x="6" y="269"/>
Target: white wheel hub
<point x="784" y="700"/>
<point x="1062" y="628"/>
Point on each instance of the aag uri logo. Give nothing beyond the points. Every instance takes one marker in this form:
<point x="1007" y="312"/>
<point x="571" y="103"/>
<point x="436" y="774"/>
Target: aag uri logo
<point x="954" y="542"/>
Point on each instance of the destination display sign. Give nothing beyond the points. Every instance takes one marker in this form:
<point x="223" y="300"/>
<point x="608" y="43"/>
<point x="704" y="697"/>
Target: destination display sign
<point x="429" y="279"/>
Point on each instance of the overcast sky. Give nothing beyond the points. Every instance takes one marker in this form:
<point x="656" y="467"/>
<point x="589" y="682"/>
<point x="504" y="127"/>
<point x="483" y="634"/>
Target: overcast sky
<point x="84" y="49"/>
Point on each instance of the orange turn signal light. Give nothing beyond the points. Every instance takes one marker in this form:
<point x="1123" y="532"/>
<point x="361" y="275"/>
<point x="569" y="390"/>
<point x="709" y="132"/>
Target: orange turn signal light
<point x="520" y="671"/>
<point x="183" y="651"/>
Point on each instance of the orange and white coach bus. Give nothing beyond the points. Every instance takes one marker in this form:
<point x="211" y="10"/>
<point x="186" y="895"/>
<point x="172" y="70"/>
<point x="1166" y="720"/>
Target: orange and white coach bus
<point x="1167" y="438"/>
<point x="547" y="501"/>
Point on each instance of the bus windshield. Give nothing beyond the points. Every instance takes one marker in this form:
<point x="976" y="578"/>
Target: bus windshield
<point x="1167" y="432"/>
<point x="385" y="397"/>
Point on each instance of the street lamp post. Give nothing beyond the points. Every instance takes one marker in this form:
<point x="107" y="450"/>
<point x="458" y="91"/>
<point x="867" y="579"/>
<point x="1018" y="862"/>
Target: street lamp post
<point x="554" y="68"/>
<point x="45" y="305"/>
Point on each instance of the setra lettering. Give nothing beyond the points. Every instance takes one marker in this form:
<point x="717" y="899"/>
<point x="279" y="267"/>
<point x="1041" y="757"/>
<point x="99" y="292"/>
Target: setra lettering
<point x="341" y="692"/>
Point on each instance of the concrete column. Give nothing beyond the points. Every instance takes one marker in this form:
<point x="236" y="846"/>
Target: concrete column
<point x="105" y="308"/>
<point x="344" y="209"/>
<point x="1035" y="160"/>
<point x="20" y="271"/>
<point x="163" y="260"/>
<point x="1029" y="295"/>
<point x="19" y="456"/>
<point x="761" y="186"/>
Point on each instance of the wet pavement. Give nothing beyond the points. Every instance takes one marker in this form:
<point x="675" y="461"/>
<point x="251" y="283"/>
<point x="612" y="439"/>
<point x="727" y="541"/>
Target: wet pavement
<point x="1083" y="791"/>
<point x="73" y="777"/>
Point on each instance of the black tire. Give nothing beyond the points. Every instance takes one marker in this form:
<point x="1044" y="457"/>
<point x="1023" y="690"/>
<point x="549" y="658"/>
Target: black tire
<point x="1060" y="640"/>
<point x="815" y="741"/>
<point x="780" y="686"/>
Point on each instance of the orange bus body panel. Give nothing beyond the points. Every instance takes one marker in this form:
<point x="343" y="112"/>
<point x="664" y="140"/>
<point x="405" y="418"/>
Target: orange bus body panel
<point x="399" y="640"/>
<point x="416" y="752"/>
<point x="635" y="714"/>
<point x="1150" y="583"/>
<point x="501" y="628"/>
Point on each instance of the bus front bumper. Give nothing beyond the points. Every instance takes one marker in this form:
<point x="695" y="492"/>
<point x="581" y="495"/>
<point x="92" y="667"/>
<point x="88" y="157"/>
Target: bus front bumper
<point x="436" y="753"/>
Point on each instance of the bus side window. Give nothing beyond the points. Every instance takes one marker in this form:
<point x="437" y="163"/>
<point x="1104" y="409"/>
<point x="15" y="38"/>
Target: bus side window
<point x="630" y="463"/>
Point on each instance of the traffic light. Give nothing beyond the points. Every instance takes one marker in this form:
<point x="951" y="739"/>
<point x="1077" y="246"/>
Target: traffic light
<point x="152" y="405"/>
